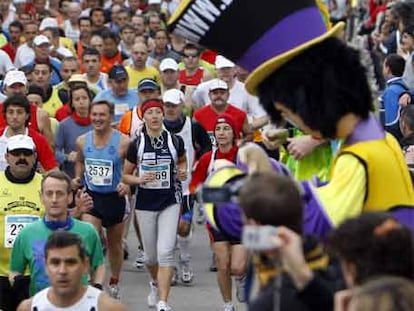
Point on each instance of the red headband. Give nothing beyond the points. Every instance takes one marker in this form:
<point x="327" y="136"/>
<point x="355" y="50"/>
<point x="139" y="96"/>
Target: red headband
<point x="152" y="103"/>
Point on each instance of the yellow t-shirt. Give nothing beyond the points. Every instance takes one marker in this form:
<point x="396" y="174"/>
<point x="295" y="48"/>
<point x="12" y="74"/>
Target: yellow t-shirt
<point x="20" y="205"/>
<point x="136" y="76"/>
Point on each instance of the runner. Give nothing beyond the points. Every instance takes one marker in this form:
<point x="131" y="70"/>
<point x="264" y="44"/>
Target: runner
<point x="160" y="159"/>
<point x="230" y="255"/>
<point x="99" y="167"/>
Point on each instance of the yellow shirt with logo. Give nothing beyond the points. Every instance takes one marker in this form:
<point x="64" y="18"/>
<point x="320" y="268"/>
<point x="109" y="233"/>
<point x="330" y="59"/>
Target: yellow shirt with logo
<point x="19" y="206"/>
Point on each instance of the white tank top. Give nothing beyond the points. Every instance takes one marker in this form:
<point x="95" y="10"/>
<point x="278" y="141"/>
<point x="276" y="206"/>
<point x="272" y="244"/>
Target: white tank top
<point x="136" y="124"/>
<point x="187" y="136"/>
<point x="88" y="302"/>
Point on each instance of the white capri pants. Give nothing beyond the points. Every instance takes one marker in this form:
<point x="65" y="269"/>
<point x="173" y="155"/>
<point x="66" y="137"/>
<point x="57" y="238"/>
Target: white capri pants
<point x="159" y="235"/>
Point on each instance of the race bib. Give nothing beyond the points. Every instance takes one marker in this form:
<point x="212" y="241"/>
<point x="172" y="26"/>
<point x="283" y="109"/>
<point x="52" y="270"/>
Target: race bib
<point x="120" y="109"/>
<point x="99" y="172"/>
<point x="13" y="224"/>
<point x="162" y="176"/>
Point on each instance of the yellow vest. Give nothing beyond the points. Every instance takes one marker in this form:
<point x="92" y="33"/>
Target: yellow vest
<point x="53" y="103"/>
<point x="388" y="179"/>
<point x="19" y="205"/>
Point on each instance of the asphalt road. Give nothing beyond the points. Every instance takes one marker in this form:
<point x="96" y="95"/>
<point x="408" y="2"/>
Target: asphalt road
<point x="202" y="295"/>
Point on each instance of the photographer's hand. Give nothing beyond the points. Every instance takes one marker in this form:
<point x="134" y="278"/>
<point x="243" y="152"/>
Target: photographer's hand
<point x="292" y="257"/>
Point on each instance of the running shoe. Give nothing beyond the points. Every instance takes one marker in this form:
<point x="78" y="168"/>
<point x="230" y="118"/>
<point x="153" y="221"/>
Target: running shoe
<point x="113" y="291"/>
<point x="163" y="306"/>
<point x="140" y="260"/>
<point x="153" y="295"/>
<point x="187" y="274"/>
<point x="228" y="307"/>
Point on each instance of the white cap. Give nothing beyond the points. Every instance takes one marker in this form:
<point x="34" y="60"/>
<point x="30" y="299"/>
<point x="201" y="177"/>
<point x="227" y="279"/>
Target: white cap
<point x="40" y="39"/>
<point x="217" y="84"/>
<point x="20" y="142"/>
<point x="154" y="2"/>
<point x="19" y="1"/>
<point x="173" y="96"/>
<point x="222" y="62"/>
<point x="168" y="63"/>
<point x="14" y="76"/>
<point x="48" y="22"/>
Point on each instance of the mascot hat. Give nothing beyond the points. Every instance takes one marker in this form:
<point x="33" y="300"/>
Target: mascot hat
<point x="260" y="36"/>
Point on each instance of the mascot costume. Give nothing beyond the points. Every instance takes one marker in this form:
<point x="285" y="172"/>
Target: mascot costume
<point x="304" y="73"/>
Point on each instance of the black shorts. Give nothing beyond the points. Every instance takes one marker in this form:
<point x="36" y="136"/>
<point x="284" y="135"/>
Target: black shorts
<point x="108" y="207"/>
<point x="219" y="236"/>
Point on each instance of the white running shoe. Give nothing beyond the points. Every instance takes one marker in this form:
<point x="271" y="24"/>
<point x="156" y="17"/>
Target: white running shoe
<point x="153" y="296"/>
<point x="140" y="260"/>
<point x="113" y="291"/>
<point x="187" y="274"/>
<point x="163" y="306"/>
<point x="228" y="307"/>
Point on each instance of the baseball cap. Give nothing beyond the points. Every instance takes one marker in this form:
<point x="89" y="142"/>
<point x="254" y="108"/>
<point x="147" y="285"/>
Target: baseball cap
<point x="15" y="76"/>
<point x="118" y="72"/>
<point x="154" y="2"/>
<point x="168" y="63"/>
<point x="48" y="22"/>
<point x="173" y="96"/>
<point x="217" y="84"/>
<point x="222" y="62"/>
<point x="148" y="84"/>
<point x="228" y="119"/>
<point x="20" y="142"/>
<point x="40" y="39"/>
<point x="77" y="77"/>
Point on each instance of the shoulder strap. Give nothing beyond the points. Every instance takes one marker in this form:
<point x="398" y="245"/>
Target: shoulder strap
<point x="173" y="145"/>
<point x="140" y="147"/>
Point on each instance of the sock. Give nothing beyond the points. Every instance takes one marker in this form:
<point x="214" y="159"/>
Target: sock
<point x="113" y="281"/>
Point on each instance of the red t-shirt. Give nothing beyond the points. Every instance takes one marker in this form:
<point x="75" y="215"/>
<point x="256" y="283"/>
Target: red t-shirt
<point x="193" y="80"/>
<point x="9" y="49"/>
<point x="200" y="172"/>
<point x="44" y="151"/>
<point x="32" y="121"/>
<point x="207" y="116"/>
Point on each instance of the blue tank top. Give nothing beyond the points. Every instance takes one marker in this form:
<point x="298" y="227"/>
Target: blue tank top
<point x="103" y="166"/>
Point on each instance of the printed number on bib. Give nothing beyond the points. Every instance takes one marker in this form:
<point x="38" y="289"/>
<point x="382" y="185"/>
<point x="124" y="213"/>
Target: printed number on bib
<point x="99" y="172"/>
<point x="13" y="224"/>
<point x="162" y="176"/>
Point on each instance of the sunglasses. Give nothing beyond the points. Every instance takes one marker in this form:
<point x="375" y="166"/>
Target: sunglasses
<point x="191" y="55"/>
<point x="18" y="152"/>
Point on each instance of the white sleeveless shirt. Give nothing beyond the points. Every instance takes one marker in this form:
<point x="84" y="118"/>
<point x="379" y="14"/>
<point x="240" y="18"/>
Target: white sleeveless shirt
<point x="187" y="136"/>
<point x="88" y="302"/>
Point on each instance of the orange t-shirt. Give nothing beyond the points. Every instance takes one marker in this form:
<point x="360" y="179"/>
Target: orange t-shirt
<point x="107" y="63"/>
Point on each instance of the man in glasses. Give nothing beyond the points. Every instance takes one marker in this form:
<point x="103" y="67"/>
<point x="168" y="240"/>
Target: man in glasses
<point x="192" y="74"/>
<point x="20" y="185"/>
